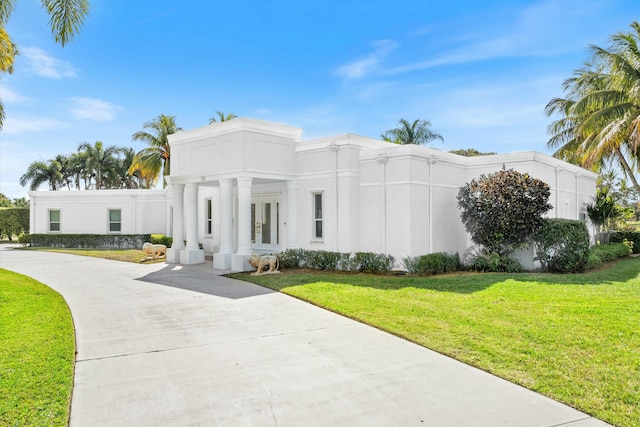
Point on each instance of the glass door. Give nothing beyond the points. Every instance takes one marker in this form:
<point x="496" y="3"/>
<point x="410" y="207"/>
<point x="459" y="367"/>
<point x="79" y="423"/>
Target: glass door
<point x="265" y="222"/>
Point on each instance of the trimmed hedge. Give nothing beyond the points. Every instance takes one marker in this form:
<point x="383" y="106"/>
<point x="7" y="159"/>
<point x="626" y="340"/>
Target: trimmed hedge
<point x="120" y="241"/>
<point x="630" y="236"/>
<point x="161" y="239"/>
<point x="562" y="245"/>
<point x="601" y="254"/>
<point x="327" y="260"/>
<point x="435" y="263"/>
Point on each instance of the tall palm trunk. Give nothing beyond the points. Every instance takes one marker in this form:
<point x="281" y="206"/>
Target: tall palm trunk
<point x="627" y="170"/>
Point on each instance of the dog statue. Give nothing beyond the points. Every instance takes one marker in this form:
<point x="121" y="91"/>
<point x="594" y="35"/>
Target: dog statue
<point x="259" y="262"/>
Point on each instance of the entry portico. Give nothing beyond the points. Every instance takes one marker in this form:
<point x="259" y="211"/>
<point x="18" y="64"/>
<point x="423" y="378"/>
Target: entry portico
<point x="231" y="160"/>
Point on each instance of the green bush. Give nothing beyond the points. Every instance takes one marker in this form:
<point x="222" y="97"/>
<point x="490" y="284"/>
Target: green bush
<point x="435" y="263"/>
<point x="323" y="260"/>
<point x="631" y="236"/>
<point x="161" y="239"/>
<point x="374" y="263"/>
<point x="121" y="241"/>
<point x="13" y="222"/>
<point x="494" y="263"/>
<point x="562" y="245"/>
<point x="292" y="258"/>
<point x="327" y="260"/>
<point x="601" y="254"/>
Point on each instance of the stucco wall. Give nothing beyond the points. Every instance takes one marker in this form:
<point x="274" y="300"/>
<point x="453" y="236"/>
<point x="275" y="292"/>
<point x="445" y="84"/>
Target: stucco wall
<point x="86" y="212"/>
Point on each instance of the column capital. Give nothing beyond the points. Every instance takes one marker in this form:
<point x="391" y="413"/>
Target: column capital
<point x="226" y="182"/>
<point x="244" y="181"/>
<point x="292" y="185"/>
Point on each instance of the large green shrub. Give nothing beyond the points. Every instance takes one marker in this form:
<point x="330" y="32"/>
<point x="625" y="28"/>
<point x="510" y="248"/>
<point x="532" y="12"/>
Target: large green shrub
<point x="501" y="211"/>
<point x="562" y="245"/>
<point x="435" y="263"/>
<point x="630" y="236"/>
<point x="13" y="222"/>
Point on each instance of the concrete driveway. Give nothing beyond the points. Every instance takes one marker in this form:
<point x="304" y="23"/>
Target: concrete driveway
<point x="165" y="345"/>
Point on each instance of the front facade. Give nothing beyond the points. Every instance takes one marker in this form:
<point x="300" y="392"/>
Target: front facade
<point x="246" y="186"/>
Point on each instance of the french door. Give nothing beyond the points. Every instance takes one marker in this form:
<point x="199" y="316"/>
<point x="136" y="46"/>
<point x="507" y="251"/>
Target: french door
<point x="265" y="222"/>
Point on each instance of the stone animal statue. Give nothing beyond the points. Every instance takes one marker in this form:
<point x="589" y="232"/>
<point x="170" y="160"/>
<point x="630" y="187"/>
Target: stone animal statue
<point x="154" y="251"/>
<point x="259" y="262"/>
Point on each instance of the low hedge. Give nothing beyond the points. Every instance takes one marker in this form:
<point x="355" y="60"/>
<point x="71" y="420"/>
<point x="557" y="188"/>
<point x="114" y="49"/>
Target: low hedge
<point x="630" y="236"/>
<point x="435" y="263"/>
<point x="120" y="241"/>
<point x="327" y="260"/>
<point x="161" y="239"/>
<point x="601" y="254"/>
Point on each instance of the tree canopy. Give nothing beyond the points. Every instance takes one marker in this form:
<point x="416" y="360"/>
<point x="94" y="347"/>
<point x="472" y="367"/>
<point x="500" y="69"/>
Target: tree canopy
<point x="417" y="132"/>
<point x="600" y="115"/>
<point x="66" y="18"/>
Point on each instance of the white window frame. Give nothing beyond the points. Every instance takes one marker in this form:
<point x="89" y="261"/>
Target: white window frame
<point x="109" y="222"/>
<point x="315" y="220"/>
<point x="59" y="222"/>
<point x="208" y="217"/>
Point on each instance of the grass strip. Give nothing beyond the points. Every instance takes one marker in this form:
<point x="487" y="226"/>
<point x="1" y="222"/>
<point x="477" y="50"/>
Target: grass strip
<point x="37" y="353"/>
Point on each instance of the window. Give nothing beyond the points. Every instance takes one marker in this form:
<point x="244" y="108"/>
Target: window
<point x="54" y="220"/>
<point x="208" y="226"/>
<point x="115" y="220"/>
<point x="318" y="226"/>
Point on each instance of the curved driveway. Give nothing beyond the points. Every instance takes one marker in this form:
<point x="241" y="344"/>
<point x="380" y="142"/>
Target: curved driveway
<point x="165" y="345"/>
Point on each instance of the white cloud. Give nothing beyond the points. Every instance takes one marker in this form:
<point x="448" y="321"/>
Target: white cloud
<point x="95" y="110"/>
<point x="364" y="66"/>
<point x="31" y="124"/>
<point x="545" y="28"/>
<point x="10" y="96"/>
<point x="43" y="65"/>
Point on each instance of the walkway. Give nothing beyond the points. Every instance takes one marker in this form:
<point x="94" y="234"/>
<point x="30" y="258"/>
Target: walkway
<point x="164" y="345"/>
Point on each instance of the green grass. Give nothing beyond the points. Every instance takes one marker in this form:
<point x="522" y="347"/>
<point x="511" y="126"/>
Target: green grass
<point x="126" y="255"/>
<point x="37" y="353"/>
<point x="575" y="338"/>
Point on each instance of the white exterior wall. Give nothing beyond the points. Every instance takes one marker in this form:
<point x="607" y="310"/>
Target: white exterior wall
<point x="377" y="196"/>
<point x="86" y="211"/>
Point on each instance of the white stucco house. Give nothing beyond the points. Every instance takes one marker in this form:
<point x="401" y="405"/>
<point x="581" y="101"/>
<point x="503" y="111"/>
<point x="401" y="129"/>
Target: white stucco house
<point x="246" y="186"/>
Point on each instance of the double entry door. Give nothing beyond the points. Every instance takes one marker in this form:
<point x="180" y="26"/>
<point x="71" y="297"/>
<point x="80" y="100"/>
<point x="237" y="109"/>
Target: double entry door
<point x="265" y="222"/>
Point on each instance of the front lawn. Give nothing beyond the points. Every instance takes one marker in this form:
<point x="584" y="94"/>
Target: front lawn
<point x="575" y="338"/>
<point x="37" y="353"/>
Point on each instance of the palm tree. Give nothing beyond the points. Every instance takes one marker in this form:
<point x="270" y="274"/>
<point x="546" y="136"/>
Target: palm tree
<point x="65" y="18"/>
<point x="418" y="132"/>
<point x="101" y="162"/>
<point x="601" y="114"/>
<point x="156" y="158"/>
<point x="40" y="172"/>
<point x="221" y="117"/>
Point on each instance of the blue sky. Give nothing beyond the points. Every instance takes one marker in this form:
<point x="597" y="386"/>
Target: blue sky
<point x="481" y="72"/>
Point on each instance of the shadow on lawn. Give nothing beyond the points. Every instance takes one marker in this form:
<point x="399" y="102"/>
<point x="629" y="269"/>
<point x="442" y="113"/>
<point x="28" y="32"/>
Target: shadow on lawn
<point x="460" y="282"/>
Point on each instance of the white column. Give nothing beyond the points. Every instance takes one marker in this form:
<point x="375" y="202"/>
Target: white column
<point x="173" y="254"/>
<point x="191" y="215"/>
<point x="226" y="216"/>
<point x="192" y="254"/>
<point x="244" y="216"/>
<point x="222" y="259"/>
<point x="292" y="214"/>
